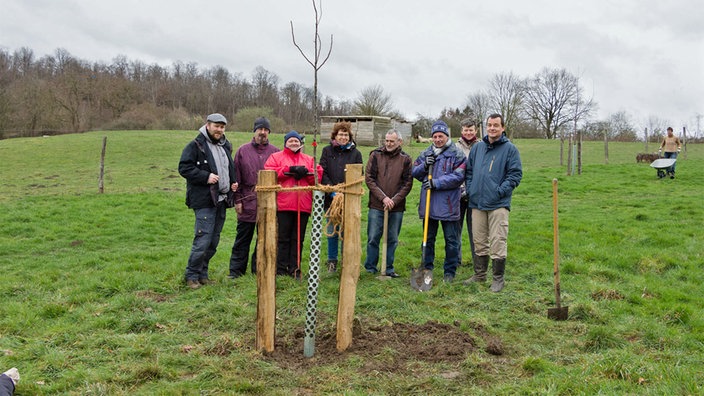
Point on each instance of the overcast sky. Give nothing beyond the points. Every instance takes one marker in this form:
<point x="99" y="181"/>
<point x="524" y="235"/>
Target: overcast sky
<point x="644" y="57"/>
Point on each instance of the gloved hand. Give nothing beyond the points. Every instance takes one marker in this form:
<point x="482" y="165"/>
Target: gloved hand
<point x="298" y="172"/>
<point x="428" y="185"/>
<point x="429" y="160"/>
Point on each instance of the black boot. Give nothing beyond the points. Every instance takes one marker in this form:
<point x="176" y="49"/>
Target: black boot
<point x="481" y="264"/>
<point x="498" y="266"/>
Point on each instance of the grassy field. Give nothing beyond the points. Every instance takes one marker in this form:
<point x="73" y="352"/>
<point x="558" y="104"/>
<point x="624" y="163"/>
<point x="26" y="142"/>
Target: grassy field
<point x="92" y="300"/>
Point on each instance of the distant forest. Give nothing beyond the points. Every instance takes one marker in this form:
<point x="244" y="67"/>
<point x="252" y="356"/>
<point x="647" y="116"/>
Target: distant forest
<point x="60" y="93"/>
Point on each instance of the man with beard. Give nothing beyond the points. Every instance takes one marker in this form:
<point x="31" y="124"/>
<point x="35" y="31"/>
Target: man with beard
<point x="249" y="160"/>
<point x="206" y="164"/>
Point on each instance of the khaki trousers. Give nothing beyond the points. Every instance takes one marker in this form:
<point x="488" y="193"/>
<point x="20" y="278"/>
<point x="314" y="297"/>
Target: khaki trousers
<point x="490" y="232"/>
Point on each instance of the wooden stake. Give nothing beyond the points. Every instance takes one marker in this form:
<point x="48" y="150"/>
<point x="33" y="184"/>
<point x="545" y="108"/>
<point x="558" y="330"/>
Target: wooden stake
<point x="266" y="262"/>
<point x="352" y="248"/>
<point x="102" y="166"/>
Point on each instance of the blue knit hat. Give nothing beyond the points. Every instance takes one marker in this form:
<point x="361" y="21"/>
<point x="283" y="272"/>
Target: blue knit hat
<point x="440" y="126"/>
<point x="293" y="134"/>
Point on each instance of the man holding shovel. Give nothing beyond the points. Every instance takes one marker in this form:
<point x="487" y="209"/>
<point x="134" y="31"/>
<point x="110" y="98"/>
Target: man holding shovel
<point x="440" y="168"/>
<point x="388" y="177"/>
<point x="494" y="170"/>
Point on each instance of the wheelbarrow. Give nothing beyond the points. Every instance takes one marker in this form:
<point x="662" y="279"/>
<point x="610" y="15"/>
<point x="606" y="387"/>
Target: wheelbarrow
<point x="662" y="165"/>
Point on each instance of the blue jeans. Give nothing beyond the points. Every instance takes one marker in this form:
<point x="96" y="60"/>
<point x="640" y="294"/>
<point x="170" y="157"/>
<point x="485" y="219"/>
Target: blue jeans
<point x="451" y="231"/>
<point x="209" y="223"/>
<point x="375" y="229"/>
<point x="333" y="243"/>
<point x="671" y="155"/>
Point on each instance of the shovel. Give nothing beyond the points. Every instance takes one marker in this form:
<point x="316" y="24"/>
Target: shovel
<point x="384" y="246"/>
<point x="422" y="278"/>
<point x="560" y="312"/>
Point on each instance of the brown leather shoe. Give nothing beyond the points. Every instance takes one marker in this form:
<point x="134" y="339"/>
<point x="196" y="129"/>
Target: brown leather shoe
<point x="193" y="284"/>
<point x="206" y="281"/>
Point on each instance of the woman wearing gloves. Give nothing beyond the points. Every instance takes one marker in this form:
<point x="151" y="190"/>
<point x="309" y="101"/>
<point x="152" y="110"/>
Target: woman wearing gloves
<point x="293" y="169"/>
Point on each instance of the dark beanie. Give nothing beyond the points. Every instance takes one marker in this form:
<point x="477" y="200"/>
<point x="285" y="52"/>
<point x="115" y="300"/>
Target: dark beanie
<point x="261" y="122"/>
<point x="293" y="134"/>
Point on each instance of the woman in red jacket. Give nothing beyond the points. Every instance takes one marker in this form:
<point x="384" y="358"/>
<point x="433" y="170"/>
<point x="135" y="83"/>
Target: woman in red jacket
<point x="293" y="169"/>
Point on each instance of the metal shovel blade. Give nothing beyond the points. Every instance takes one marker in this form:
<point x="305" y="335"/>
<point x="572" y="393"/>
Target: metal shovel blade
<point x="559" y="313"/>
<point x="421" y="279"/>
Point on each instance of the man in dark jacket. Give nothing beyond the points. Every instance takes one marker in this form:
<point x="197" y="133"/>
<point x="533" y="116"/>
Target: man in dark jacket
<point x="249" y="160"/>
<point x="388" y="177"/>
<point x="206" y="164"/>
<point x="494" y="170"/>
<point x="447" y="162"/>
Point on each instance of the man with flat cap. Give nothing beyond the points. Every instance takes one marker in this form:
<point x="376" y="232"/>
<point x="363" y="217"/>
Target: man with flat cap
<point x="206" y="164"/>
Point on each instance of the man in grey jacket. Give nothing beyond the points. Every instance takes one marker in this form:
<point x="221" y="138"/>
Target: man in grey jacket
<point x="206" y="164"/>
<point x="493" y="171"/>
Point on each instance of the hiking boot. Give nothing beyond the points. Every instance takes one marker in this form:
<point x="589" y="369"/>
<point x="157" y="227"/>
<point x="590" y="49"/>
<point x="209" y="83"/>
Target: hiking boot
<point x="206" y="281"/>
<point x="393" y="275"/>
<point x="193" y="284"/>
<point x="448" y="278"/>
<point x="332" y="265"/>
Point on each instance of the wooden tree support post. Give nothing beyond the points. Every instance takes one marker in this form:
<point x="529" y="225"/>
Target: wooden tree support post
<point x="352" y="248"/>
<point x="102" y="166"/>
<point x="266" y="262"/>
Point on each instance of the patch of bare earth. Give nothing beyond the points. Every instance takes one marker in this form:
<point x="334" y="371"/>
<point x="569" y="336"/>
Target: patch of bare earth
<point x="388" y="348"/>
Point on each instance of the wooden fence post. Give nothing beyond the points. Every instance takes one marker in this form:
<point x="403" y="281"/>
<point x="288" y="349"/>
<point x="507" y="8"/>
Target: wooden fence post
<point x="102" y="166"/>
<point x="352" y="248"/>
<point x="266" y="262"/>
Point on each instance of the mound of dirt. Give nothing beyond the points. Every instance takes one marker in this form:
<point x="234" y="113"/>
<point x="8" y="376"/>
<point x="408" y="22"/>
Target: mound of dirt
<point x="387" y="348"/>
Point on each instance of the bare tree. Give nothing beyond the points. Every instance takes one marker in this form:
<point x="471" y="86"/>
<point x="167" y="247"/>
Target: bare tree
<point x="507" y="93"/>
<point x="316" y="63"/>
<point x="479" y="103"/>
<point x="553" y="99"/>
<point x="373" y="101"/>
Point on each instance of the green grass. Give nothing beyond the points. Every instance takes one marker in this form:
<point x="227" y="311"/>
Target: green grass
<point x="92" y="300"/>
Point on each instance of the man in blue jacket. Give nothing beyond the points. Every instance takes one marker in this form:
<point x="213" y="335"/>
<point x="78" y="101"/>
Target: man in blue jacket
<point x="448" y="163"/>
<point x="206" y="164"/>
<point x="493" y="171"/>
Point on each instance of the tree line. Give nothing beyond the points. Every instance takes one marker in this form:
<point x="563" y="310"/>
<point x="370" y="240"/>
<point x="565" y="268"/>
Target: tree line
<point x="59" y="93"/>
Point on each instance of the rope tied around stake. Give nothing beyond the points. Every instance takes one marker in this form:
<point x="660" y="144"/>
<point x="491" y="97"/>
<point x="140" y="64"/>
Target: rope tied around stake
<point x="335" y="213"/>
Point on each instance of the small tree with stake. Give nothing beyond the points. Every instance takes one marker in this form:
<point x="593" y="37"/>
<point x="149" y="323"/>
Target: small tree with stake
<point x="317" y="63"/>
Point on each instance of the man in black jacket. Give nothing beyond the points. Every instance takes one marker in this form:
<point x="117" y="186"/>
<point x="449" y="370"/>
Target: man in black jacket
<point x="206" y="164"/>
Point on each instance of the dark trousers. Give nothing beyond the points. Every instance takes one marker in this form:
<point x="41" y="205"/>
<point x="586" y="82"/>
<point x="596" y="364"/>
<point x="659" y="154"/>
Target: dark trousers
<point x="290" y="241"/>
<point x="240" y="249"/>
<point x="465" y="211"/>
<point x="209" y="223"/>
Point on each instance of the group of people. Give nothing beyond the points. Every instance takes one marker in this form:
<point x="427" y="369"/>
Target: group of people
<point x="470" y="181"/>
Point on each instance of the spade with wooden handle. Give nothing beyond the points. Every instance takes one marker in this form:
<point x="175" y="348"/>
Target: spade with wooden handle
<point x="559" y="312"/>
